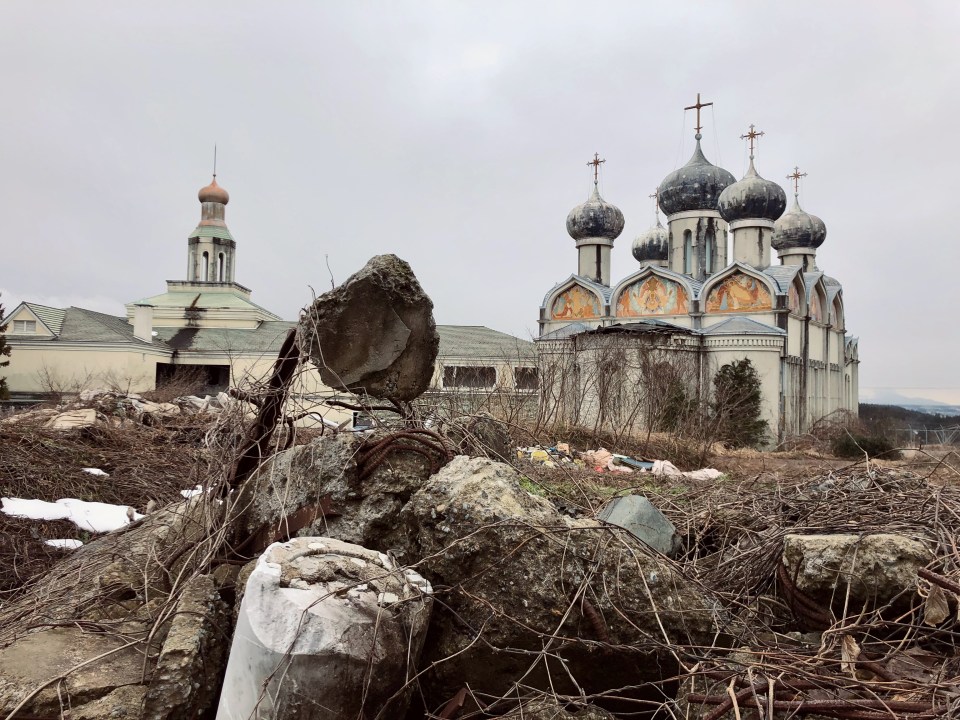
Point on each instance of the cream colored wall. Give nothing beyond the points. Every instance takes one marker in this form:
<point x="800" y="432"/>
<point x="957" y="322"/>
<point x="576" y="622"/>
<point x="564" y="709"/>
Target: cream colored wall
<point x="41" y="367"/>
<point x="766" y="361"/>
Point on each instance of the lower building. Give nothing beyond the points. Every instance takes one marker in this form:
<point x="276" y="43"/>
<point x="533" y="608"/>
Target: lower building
<point x="208" y="326"/>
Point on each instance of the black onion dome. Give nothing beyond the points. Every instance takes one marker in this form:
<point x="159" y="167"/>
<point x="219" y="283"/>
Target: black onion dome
<point x="653" y="245"/>
<point x="695" y="186"/>
<point x="752" y="198"/>
<point x="798" y="229"/>
<point x="596" y="218"/>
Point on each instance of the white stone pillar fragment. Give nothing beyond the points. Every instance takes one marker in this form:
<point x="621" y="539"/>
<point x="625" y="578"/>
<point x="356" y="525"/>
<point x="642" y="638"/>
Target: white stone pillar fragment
<point x="326" y="630"/>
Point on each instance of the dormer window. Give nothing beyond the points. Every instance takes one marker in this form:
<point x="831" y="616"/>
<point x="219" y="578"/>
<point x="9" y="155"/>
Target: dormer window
<point x="24" y="327"/>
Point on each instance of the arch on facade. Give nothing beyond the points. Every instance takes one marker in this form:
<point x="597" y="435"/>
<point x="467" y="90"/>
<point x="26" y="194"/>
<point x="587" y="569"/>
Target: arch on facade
<point x="797" y="297"/>
<point x="652" y="291"/>
<point x="572" y="300"/>
<point x="818" y="307"/>
<point x="738" y="288"/>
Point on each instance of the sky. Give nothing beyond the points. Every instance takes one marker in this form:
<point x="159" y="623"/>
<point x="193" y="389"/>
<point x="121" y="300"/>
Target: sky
<point x="456" y="135"/>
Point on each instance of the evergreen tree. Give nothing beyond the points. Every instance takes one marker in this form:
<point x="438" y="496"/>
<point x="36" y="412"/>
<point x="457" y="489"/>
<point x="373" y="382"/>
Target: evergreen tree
<point x="4" y="352"/>
<point x="737" y="405"/>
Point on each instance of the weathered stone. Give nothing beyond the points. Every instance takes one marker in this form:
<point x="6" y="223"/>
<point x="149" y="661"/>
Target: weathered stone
<point x="191" y="663"/>
<point x="638" y="515"/>
<point x="324" y="471"/>
<point x="876" y="568"/>
<point x="124" y="703"/>
<point x="34" y="659"/>
<point x="73" y="419"/>
<point x="326" y="630"/>
<point x="375" y="334"/>
<point x="525" y="586"/>
<point x="481" y="434"/>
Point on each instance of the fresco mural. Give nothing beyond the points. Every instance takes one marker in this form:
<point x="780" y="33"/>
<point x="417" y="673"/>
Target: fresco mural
<point x="653" y="296"/>
<point x="816" y="308"/>
<point x="577" y="303"/>
<point x="794" y="298"/>
<point x="737" y="293"/>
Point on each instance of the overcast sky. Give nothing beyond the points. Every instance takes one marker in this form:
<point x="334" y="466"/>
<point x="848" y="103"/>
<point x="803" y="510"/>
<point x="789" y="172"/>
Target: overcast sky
<point x="456" y="135"/>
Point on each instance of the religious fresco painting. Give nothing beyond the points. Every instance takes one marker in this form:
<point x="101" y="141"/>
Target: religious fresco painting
<point x="737" y="293"/>
<point x="652" y="296"/>
<point x="577" y="303"/>
<point x="794" y="298"/>
<point x="816" y="308"/>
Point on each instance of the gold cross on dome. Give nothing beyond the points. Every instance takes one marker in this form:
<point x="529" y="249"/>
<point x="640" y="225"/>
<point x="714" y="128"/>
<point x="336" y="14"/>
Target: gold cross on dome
<point x="697" y="107"/>
<point x="656" y="199"/>
<point x="751" y="137"/>
<point x="596" y="166"/>
<point x="795" y="176"/>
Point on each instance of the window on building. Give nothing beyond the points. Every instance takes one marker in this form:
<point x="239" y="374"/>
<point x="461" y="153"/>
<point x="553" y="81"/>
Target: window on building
<point x="24" y="327"/>
<point x="220" y="265"/>
<point x="688" y="252"/>
<point x="526" y="378"/>
<point x="709" y="260"/>
<point x="205" y="269"/>
<point x="465" y="376"/>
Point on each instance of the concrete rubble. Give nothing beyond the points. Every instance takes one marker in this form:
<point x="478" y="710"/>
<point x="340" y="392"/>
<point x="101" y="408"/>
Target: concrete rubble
<point x="409" y="573"/>
<point x="375" y="334"/>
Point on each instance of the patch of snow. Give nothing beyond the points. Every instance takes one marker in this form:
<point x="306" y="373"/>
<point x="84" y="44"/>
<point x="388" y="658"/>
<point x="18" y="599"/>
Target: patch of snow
<point x="198" y="490"/>
<point x="65" y="544"/>
<point x="33" y="509"/>
<point x="90" y="516"/>
<point x="96" y="471"/>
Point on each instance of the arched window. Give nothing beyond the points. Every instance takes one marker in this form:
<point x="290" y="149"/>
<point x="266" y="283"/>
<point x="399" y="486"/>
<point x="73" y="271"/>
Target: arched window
<point x="220" y="265"/>
<point x="205" y="266"/>
<point x="688" y="252"/>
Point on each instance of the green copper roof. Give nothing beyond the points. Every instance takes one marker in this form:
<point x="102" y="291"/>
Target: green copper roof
<point x="212" y="231"/>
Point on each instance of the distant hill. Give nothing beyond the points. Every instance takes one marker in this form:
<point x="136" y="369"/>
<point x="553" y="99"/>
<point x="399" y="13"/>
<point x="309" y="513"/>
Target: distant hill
<point x="916" y="416"/>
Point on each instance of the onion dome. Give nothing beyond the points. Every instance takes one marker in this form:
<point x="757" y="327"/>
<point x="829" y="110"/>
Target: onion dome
<point x="798" y="229"/>
<point x="213" y="193"/>
<point x="695" y="186"/>
<point x="653" y="245"/>
<point x="596" y="218"/>
<point x="752" y="198"/>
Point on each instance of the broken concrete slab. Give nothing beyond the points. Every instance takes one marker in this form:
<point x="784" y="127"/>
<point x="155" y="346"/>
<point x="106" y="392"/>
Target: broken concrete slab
<point x="187" y="677"/>
<point x="876" y="568"/>
<point x="73" y="419"/>
<point x="375" y="334"/>
<point x="638" y="515"/>
<point x="326" y="630"/>
<point x="534" y="597"/>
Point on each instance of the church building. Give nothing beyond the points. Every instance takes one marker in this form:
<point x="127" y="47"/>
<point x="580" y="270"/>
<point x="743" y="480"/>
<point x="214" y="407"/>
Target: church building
<point x="706" y="284"/>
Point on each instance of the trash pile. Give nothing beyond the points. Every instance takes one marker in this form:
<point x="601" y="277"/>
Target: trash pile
<point x="602" y="460"/>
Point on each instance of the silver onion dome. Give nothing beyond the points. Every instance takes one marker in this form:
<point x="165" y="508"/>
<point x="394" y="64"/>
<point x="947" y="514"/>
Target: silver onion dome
<point x="695" y="186"/>
<point x="653" y="245"/>
<point x="798" y="229"/>
<point x="596" y="218"/>
<point x="751" y="198"/>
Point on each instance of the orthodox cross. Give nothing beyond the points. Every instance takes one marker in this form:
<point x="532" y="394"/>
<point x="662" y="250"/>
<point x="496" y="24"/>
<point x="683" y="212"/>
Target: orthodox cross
<point x="596" y="166"/>
<point x="795" y="176"/>
<point x="656" y="201"/>
<point x="751" y="138"/>
<point x="697" y="108"/>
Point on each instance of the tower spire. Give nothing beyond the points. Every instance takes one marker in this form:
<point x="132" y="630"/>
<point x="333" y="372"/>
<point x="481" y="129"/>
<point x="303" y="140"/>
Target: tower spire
<point x="596" y="162"/>
<point x="751" y="137"/>
<point x="697" y="106"/>
<point x="214" y="161"/>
